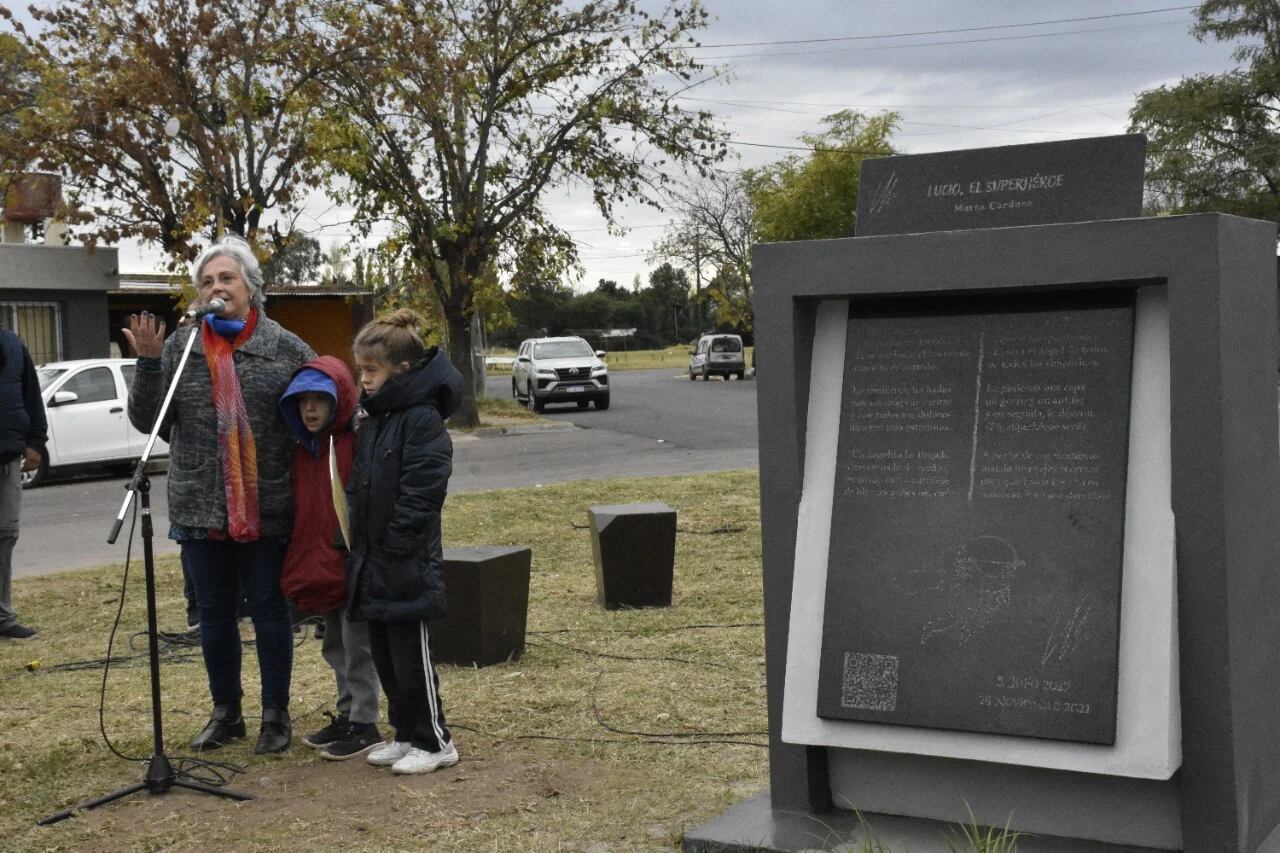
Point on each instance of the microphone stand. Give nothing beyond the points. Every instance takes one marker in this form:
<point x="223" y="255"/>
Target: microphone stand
<point x="160" y="776"/>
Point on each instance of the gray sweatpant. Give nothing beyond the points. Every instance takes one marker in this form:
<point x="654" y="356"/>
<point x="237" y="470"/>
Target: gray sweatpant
<point x="10" y="511"/>
<point x="346" y="650"/>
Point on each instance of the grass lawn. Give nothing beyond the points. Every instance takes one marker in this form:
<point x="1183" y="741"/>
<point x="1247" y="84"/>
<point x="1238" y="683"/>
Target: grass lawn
<point x="615" y="730"/>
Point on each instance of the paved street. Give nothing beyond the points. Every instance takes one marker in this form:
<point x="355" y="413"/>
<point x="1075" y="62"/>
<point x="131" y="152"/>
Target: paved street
<point x="658" y="424"/>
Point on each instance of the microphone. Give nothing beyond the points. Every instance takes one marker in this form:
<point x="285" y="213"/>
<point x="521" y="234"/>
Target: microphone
<point x="213" y="306"/>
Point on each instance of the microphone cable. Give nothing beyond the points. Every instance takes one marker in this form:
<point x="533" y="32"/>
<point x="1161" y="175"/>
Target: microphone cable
<point x="215" y="773"/>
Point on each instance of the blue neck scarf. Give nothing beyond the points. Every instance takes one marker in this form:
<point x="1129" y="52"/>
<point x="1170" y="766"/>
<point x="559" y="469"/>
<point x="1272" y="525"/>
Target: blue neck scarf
<point x="229" y="329"/>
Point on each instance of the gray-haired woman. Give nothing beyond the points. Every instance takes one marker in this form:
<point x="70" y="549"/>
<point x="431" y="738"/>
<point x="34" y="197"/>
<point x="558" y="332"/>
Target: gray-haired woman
<point x="230" y="504"/>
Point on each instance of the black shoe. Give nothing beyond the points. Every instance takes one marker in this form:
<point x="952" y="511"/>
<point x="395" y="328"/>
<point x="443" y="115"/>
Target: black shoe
<point x="276" y="734"/>
<point x="316" y="622"/>
<point x="226" y="723"/>
<point x="332" y="733"/>
<point x="361" y="737"/>
<point x="17" y="631"/>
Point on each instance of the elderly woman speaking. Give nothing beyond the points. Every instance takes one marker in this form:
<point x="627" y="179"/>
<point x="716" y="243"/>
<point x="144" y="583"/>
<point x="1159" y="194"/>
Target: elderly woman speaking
<point x="229" y="496"/>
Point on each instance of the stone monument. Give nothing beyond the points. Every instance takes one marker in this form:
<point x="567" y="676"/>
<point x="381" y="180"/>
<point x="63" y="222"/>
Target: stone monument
<point x="1020" y="495"/>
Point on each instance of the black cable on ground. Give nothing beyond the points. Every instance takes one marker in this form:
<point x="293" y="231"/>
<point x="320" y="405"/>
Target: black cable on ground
<point x="106" y="669"/>
<point x="611" y="741"/>
<point x="625" y="657"/>
<point x="665" y="628"/>
<point x="661" y="738"/>
<point x="650" y="737"/>
<point x="214" y="773"/>
<point x="604" y="724"/>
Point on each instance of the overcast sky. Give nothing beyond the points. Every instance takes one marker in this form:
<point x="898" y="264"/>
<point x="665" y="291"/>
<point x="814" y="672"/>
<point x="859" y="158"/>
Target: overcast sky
<point x="962" y="74"/>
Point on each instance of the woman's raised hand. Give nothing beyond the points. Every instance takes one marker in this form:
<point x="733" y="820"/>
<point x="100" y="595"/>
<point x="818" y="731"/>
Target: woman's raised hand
<point x="145" y="334"/>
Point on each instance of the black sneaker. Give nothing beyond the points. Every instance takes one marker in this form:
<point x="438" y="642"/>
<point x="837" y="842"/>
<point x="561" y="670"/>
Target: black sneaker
<point x="17" y="631"/>
<point x="361" y="737"/>
<point x="330" y="734"/>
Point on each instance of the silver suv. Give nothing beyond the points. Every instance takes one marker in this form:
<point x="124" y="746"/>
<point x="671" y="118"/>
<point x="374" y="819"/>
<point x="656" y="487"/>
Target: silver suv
<point x="559" y="370"/>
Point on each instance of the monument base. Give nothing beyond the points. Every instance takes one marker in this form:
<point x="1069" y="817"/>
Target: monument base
<point x="753" y="826"/>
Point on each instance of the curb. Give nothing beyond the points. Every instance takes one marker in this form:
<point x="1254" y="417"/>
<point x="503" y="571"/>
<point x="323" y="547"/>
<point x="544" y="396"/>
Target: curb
<point x="520" y="429"/>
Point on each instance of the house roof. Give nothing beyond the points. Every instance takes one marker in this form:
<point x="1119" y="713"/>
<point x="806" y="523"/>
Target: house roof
<point x="158" y="282"/>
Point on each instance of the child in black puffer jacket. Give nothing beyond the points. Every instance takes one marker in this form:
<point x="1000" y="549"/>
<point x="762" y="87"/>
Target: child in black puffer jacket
<point x="396" y="565"/>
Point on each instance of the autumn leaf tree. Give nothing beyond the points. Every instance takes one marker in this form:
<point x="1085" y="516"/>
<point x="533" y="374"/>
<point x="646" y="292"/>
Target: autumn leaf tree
<point x="174" y="120"/>
<point x="462" y="114"/>
<point x="19" y="90"/>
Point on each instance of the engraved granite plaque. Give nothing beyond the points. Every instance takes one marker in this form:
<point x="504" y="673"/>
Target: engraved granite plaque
<point x="977" y="528"/>
<point x="1072" y="181"/>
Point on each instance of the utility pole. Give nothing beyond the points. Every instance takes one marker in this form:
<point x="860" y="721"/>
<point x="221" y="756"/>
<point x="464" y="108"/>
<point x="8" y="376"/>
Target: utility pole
<point x="697" y="279"/>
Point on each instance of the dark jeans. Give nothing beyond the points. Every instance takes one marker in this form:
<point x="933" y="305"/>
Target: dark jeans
<point x="220" y="570"/>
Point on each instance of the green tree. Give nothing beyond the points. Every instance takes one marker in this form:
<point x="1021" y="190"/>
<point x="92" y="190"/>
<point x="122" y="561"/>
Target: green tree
<point x="460" y="116"/>
<point x="539" y="306"/>
<point x="295" y="261"/>
<point x="591" y="311"/>
<point x="172" y="120"/>
<point x="730" y="292"/>
<point x="816" y="196"/>
<point x="1212" y="140"/>
<point x="666" y="300"/>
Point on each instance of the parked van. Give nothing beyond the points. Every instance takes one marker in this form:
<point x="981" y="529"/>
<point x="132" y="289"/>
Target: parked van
<point x="718" y="355"/>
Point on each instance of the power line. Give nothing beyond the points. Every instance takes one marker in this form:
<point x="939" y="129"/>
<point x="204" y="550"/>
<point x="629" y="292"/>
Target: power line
<point x="991" y="39"/>
<point x="812" y="148"/>
<point x="987" y="28"/>
<point x="755" y="104"/>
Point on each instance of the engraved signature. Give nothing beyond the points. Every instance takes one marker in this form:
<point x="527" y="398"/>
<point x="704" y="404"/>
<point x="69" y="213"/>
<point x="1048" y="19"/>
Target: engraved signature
<point x="885" y="193"/>
<point x="1067" y="632"/>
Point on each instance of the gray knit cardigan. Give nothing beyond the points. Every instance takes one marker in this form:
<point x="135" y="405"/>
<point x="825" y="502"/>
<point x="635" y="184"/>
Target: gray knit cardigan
<point x="264" y="363"/>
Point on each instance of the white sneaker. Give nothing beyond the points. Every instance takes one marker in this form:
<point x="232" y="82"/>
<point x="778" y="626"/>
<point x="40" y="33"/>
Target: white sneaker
<point x="389" y="753"/>
<point x="421" y="761"/>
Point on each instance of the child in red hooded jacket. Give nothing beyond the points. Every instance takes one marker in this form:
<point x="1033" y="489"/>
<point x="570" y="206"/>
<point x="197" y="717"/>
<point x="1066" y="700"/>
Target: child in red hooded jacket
<point x="320" y="403"/>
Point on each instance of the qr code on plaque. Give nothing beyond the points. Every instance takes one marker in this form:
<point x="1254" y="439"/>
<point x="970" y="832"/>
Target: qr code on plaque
<point x="870" y="682"/>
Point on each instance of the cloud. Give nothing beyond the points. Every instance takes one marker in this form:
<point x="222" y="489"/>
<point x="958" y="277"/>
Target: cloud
<point x="1003" y="85"/>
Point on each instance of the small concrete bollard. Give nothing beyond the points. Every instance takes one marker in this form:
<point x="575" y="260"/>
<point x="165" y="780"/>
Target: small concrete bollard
<point x="488" y="592"/>
<point x="634" y="546"/>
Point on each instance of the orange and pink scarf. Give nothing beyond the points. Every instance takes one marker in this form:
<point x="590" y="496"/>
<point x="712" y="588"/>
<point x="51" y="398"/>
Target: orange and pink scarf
<point x="236" y="449"/>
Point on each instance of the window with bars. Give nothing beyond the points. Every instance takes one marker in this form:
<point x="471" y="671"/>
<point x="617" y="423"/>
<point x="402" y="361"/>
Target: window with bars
<point x="39" y="324"/>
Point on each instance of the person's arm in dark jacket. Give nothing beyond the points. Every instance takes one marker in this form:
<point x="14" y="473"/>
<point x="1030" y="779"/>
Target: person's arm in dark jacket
<point x="425" y="465"/>
<point x="38" y="432"/>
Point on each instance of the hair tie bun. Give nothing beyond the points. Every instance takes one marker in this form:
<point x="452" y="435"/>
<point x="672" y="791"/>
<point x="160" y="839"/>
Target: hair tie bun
<point x="404" y="318"/>
<point x="394" y="337"/>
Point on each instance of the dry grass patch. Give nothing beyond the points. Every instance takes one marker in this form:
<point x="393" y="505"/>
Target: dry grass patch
<point x="616" y="730"/>
<point x="503" y="411"/>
